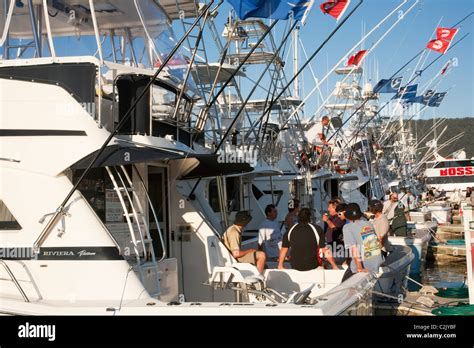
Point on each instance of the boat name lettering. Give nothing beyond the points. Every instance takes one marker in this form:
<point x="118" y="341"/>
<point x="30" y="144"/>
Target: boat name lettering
<point x="459" y="171"/>
<point x="86" y="253"/>
<point x="58" y="253"/>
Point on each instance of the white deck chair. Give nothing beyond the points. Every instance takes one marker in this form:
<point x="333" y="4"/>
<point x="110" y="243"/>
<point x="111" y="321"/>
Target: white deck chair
<point x="243" y="278"/>
<point x="234" y="276"/>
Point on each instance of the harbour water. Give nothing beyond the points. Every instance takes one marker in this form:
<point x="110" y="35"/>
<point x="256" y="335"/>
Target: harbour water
<point x="445" y="274"/>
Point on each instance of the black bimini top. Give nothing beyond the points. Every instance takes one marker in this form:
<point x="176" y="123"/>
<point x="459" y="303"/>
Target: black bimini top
<point x="116" y="155"/>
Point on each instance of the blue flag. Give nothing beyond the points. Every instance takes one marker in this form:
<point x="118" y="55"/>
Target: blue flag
<point x="437" y="98"/>
<point x="388" y="85"/>
<point x="407" y="92"/>
<point x="274" y="9"/>
<point x="423" y="99"/>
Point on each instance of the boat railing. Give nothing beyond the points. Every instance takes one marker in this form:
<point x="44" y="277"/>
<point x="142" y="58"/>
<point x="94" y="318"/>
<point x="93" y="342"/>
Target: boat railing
<point x="14" y="280"/>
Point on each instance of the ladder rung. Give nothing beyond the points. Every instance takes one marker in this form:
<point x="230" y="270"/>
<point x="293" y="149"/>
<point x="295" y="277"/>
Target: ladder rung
<point x="132" y="214"/>
<point x="123" y="189"/>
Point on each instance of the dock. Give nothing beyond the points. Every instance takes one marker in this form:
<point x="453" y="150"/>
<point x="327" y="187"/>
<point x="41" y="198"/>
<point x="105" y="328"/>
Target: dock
<point x="416" y="303"/>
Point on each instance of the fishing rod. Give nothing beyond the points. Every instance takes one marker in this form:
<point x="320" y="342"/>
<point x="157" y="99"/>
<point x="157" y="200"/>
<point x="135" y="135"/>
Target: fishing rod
<point x="61" y="209"/>
<point x="242" y="107"/>
<point x="315" y="53"/>
<point x="188" y="72"/>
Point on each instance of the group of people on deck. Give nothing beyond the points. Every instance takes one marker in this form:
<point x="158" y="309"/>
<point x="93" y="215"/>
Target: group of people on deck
<point x="345" y="237"/>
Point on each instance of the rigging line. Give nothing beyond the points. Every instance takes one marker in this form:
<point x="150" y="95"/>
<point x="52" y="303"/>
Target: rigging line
<point x="424" y="91"/>
<point x="408" y="30"/>
<point x="311" y="69"/>
<point x="434" y="32"/>
<point x="268" y="90"/>
<point x="415" y="70"/>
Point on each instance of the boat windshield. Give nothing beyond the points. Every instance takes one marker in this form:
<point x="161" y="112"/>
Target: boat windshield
<point x="130" y="32"/>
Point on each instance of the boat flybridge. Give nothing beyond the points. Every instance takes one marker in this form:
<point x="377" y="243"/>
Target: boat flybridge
<point x="132" y="235"/>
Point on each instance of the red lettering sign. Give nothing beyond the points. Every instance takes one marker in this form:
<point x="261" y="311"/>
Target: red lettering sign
<point x="459" y="171"/>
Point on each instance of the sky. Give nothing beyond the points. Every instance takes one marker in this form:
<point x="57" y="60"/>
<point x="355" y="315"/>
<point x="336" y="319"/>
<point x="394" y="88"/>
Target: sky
<point x="400" y="45"/>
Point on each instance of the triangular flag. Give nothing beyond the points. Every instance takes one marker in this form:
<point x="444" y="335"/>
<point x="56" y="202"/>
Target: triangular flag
<point x="335" y="8"/>
<point x="446" y="33"/>
<point x="357" y="58"/>
<point x="440" y="46"/>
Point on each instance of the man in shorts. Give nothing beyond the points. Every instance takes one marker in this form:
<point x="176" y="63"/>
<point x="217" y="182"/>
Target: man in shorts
<point x="232" y="239"/>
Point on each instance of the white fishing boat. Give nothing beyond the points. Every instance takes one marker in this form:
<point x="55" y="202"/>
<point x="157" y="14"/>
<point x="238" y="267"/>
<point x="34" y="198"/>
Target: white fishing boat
<point x="132" y="235"/>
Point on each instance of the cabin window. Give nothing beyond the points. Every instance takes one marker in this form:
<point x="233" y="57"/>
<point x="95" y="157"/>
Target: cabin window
<point x="232" y="191"/>
<point x="7" y="220"/>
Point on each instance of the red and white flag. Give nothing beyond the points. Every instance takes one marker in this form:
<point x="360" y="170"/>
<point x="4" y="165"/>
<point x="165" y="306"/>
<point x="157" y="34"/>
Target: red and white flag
<point x="356" y="59"/>
<point x="440" y="46"/>
<point x="335" y="8"/>
<point x="446" y="33"/>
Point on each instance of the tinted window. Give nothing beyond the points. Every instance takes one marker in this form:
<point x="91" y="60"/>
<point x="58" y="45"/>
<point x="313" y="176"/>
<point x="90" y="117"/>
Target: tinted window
<point x="7" y="220"/>
<point x="451" y="164"/>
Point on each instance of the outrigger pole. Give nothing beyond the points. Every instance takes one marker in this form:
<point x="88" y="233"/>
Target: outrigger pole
<point x="61" y="209"/>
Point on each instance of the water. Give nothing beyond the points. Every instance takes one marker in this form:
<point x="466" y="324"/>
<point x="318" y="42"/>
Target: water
<point x="440" y="275"/>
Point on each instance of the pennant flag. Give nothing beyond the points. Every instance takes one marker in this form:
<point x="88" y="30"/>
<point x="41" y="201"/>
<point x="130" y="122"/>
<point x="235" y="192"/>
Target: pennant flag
<point x="445" y="67"/>
<point x="446" y="33"/>
<point x="407" y="92"/>
<point x="436" y="99"/>
<point x="274" y="9"/>
<point x="335" y="8"/>
<point x="357" y="58"/>
<point x="425" y="98"/>
<point x="440" y="46"/>
<point x="388" y="86"/>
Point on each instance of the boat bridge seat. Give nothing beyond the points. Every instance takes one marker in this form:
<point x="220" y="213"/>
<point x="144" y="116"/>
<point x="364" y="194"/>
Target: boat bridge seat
<point x="223" y="274"/>
<point x="247" y="283"/>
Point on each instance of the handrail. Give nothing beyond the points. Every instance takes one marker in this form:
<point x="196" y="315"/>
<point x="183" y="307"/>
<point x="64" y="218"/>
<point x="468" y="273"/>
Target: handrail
<point x="13" y="279"/>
